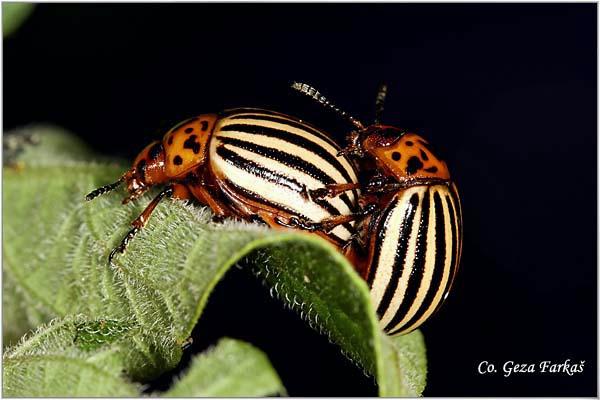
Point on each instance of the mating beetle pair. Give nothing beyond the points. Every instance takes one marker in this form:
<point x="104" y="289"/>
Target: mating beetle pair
<point x="402" y="229"/>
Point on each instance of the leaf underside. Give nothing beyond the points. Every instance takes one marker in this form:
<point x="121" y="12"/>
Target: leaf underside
<point x="55" y="265"/>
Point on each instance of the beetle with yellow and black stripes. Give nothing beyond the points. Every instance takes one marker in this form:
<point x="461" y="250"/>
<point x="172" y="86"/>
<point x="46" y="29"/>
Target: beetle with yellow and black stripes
<point x="246" y="163"/>
<point x="410" y="239"/>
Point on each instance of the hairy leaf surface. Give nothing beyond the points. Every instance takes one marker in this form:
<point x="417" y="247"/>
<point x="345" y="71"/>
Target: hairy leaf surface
<point x="77" y="357"/>
<point x="230" y="369"/>
<point x="55" y="264"/>
<point x="50" y="362"/>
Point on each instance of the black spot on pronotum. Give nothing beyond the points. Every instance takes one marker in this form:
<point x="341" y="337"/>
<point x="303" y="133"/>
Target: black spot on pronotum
<point x="170" y="141"/>
<point x="424" y="155"/>
<point x="413" y="165"/>
<point x="204" y="125"/>
<point x="140" y="170"/>
<point x="189" y="130"/>
<point x="409" y="143"/>
<point x="396" y="156"/>
<point x="431" y="169"/>
<point x="155" y="151"/>
<point x="177" y="160"/>
<point x="191" y="143"/>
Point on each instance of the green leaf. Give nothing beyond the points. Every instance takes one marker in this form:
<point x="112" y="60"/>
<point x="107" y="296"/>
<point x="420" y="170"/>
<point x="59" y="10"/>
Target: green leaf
<point x="13" y="15"/>
<point x="405" y="358"/>
<point x="231" y="369"/>
<point x="55" y="264"/>
<point x="50" y="363"/>
<point x="76" y="357"/>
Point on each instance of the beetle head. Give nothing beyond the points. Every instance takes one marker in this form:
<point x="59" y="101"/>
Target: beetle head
<point x="148" y="169"/>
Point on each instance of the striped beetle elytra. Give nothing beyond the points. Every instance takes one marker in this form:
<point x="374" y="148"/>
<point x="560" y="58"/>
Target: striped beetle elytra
<point x="410" y="231"/>
<point x="248" y="163"/>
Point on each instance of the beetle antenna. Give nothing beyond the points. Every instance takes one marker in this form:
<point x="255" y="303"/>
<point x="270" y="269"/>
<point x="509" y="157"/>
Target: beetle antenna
<point x="380" y="102"/>
<point x="104" y="189"/>
<point x="316" y="95"/>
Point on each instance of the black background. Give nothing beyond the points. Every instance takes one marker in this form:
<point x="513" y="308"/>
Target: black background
<point x="507" y="92"/>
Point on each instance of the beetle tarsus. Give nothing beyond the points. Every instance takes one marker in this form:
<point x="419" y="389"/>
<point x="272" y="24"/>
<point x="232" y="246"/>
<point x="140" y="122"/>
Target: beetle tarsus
<point x="355" y="237"/>
<point x="332" y="190"/>
<point x="325" y="225"/>
<point x="328" y="224"/>
<point x="187" y="343"/>
<point x="320" y="193"/>
<point x="121" y="248"/>
<point x="296" y="222"/>
<point x="217" y="219"/>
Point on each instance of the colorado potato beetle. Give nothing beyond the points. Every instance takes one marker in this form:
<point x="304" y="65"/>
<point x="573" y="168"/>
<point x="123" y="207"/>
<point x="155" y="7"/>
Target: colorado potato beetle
<point x="248" y="163"/>
<point x="410" y="239"/>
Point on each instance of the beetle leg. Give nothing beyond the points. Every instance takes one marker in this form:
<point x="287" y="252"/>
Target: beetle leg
<point x="324" y="225"/>
<point x="354" y="148"/>
<point x="384" y="185"/>
<point x="332" y="190"/>
<point x="355" y="238"/>
<point x="140" y="222"/>
<point x="327" y="224"/>
<point x="135" y="195"/>
<point x="380" y="187"/>
<point x="123" y="245"/>
<point x="187" y="343"/>
<point x="204" y="197"/>
<point x="180" y="192"/>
